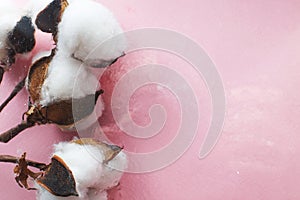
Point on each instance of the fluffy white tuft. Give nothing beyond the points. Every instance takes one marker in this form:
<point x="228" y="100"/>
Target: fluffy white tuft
<point x="43" y="194"/>
<point x="90" y="32"/>
<point x="9" y="16"/>
<point x="92" y="176"/>
<point x="67" y="78"/>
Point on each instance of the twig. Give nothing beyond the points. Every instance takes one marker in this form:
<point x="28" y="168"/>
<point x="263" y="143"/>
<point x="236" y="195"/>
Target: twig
<point x="16" y="90"/>
<point x="10" y="134"/>
<point x="13" y="159"/>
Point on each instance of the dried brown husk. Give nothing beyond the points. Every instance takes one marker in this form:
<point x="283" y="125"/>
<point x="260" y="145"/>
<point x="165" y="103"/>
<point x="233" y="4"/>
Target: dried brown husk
<point x="49" y="18"/>
<point x="37" y="75"/>
<point x="19" y="40"/>
<point x="58" y="179"/>
<point x="109" y="151"/>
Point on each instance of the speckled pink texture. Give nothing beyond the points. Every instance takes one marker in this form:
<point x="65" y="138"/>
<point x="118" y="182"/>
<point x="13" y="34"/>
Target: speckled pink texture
<point x="255" y="46"/>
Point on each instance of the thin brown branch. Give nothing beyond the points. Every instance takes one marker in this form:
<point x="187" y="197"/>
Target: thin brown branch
<point x="13" y="159"/>
<point x="16" y="90"/>
<point x="10" y="134"/>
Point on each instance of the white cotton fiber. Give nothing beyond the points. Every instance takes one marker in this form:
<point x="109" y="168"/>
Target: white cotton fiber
<point x="91" y="175"/>
<point x="40" y="55"/>
<point x="67" y="78"/>
<point x="43" y="194"/>
<point x="9" y="16"/>
<point x="111" y="177"/>
<point x="90" y="32"/>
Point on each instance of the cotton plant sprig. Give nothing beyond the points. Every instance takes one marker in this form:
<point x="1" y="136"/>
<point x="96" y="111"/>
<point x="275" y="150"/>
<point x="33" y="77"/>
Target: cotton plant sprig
<point x="79" y="169"/>
<point x="51" y="78"/>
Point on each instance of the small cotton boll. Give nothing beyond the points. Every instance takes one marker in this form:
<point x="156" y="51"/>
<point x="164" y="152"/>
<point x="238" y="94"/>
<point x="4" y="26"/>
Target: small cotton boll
<point x="84" y="162"/>
<point x="86" y="159"/>
<point x="67" y="78"/>
<point x="16" y="32"/>
<point x="85" y="25"/>
<point x="91" y="175"/>
<point x="9" y="17"/>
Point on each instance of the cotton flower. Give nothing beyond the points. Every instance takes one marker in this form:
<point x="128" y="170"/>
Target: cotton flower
<point x="95" y="166"/>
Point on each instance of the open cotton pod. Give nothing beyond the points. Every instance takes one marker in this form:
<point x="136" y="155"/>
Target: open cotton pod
<point x="16" y="34"/>
<point x="62" y="92"/>
<point x="85" y="30"/>
<point x="94" y="167"/>
<point x="82" y="169"/>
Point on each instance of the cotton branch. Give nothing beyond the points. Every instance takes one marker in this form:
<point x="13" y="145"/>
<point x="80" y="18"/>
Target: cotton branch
<point x="13" y="159"/>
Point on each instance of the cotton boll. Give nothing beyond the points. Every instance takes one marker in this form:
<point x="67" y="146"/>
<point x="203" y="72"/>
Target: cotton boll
<point x="67" y="78"/>
<point x="16" y="33"/>
<point x="87" y="162"/>
<point x="84" y="162"/>
<point x="9" y="17"/>
<point x="91" y="164"/>
<point x="85" y="32"/>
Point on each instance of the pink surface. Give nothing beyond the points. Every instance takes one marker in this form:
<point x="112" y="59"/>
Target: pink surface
<point x="255" y="46"/>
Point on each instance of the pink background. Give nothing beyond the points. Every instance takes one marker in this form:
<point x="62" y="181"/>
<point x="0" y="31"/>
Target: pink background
<point x="255" y="46"/>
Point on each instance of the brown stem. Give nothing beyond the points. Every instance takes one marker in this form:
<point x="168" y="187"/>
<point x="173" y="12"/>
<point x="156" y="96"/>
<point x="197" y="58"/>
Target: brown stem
<point x="10" y="134"/>
<point x="13" y="159"/>
<point x="16" y="90"/>
<point x="1" y="73"/>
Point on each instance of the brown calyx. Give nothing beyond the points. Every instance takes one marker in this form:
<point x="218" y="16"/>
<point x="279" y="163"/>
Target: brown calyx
<point x="23" y="173"/>
<point x="58" y="179"/>
<point x="37" y="75"/>
<point x="49" y="18"/>
<point x="109" y="151"/>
